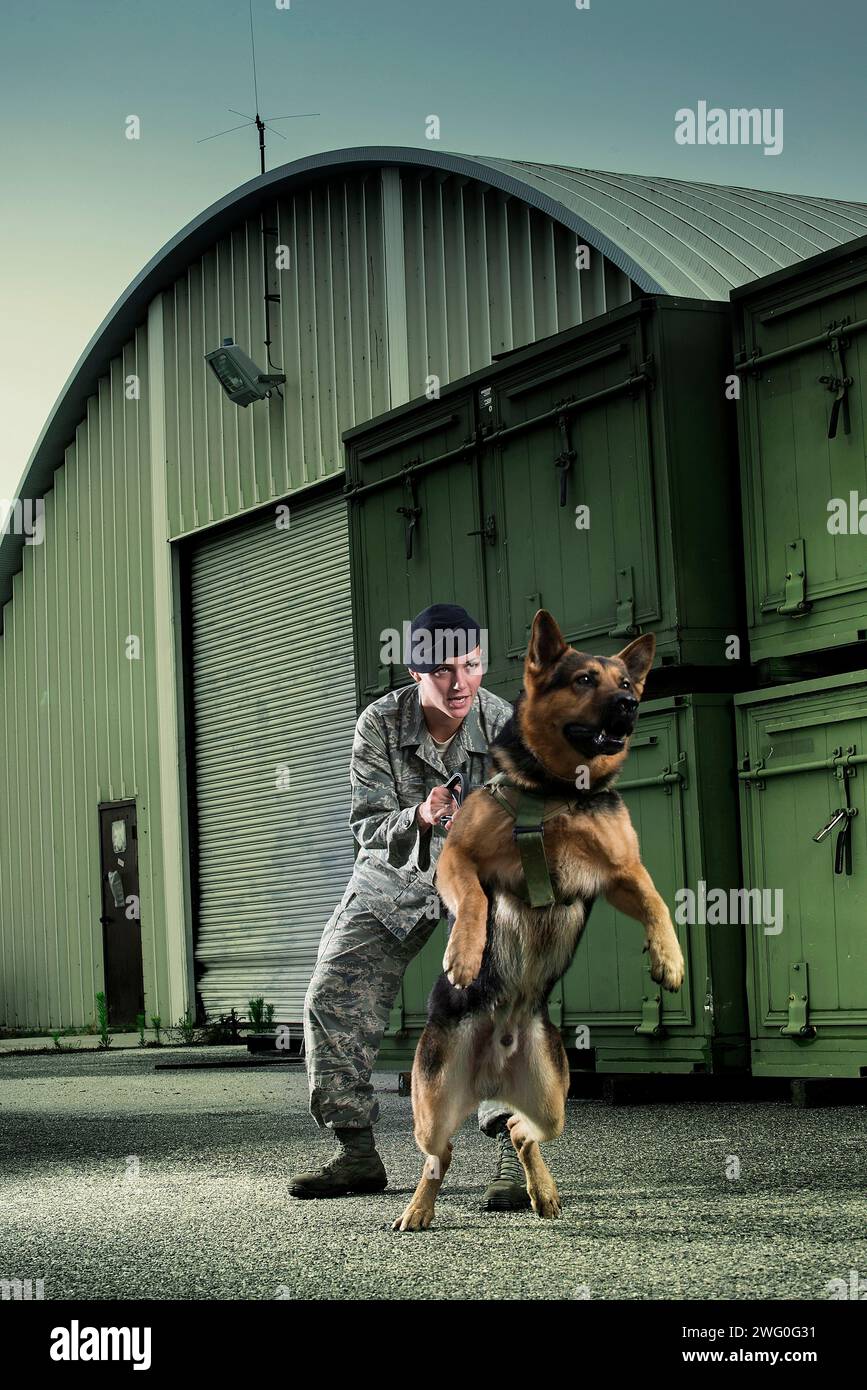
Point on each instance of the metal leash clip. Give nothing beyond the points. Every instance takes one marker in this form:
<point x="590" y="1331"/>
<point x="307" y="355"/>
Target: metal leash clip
<point x="457" y="785"/>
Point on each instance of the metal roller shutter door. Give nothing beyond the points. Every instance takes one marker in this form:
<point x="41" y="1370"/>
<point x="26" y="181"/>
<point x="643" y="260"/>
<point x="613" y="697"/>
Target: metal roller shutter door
<point x="274" y="693"/>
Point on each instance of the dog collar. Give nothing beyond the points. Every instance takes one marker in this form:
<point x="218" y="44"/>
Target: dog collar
<point x="530" y="810"/>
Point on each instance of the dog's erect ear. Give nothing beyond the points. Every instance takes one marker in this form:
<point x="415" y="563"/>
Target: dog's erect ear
<point x="638" y="659"/>
<point x="546" y="640"/>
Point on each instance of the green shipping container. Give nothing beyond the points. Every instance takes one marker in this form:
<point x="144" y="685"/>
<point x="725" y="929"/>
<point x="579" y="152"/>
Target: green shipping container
<point x="592" y="474"/>
<point x="803" y="769"/>
<point x="680" y="786"/>
<point x="801" y="352"/>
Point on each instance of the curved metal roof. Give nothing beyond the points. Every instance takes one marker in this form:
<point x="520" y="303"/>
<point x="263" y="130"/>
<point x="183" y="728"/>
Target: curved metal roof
<point x="695" y="239"/>
<point x="668" y="235"/>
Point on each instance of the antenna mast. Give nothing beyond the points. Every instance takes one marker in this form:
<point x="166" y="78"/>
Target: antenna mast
<point x="261" y="126"/>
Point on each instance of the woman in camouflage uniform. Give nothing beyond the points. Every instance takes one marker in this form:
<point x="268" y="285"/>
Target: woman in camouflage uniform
<point x="407" y="745"/>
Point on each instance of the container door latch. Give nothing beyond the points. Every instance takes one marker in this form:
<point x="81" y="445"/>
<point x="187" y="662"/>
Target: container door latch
<point x="838" y="384"/>
<point x="797" y="1025"/>
<point x="651" y="1025"/>
<point x="843" y="818"/>
<point x="411" y="513"/>
<point x="795" y="602"/>
<point x="566" y="457"/>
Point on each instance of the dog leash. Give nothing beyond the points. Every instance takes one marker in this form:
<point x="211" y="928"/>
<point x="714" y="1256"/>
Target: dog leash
<point x="458" y="785"/>
<point x="530" y="810"/>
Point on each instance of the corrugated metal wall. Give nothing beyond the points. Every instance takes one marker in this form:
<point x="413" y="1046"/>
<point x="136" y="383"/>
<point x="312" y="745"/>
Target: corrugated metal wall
<point x="75" y="713"/>
<point x="483" y="273"/>
<point x="486" y="273"/>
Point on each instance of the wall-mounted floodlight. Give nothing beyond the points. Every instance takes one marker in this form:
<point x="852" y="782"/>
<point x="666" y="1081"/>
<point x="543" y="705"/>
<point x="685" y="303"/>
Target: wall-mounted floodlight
<point x="238" y="374"/>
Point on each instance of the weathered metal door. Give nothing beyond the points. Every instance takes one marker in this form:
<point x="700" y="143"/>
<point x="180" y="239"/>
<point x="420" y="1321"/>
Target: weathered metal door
<point x="805" y="764"/>
<point x="803" y="340"/>
<point x="568" y="480"/>
<point x="608" y="984"/>
<point x="120" y="913"/>
<point x="412" y="525"/>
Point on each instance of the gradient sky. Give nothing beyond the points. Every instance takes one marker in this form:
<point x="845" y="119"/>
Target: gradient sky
<point x="83" y="208"/>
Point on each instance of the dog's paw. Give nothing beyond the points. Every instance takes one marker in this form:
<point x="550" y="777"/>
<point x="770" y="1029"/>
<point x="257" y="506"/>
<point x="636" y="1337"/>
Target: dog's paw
<point x="666" y="961"/>
<point x="416" y="1217"/>
<point x="545" y="1200"/>
<point x="519" y="1131"/>
<point x="461" y="964"/>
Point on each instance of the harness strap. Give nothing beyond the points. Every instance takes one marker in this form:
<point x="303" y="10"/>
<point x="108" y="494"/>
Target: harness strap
<point x="530" y="810"/>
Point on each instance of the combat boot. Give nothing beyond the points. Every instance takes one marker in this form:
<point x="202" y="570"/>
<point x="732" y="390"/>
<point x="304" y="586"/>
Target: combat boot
<point x="356" y="1167"/>
<point x="507" y="1190"/>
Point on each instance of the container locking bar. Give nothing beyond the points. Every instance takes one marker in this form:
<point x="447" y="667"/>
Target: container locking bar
<point x="411" y="513"/>
<point x="846" y="814"/>
<point x="838" y="762"/>
<point x="566" y="457"/>
<point x="838" y="384"/>
<point x="669" y="778"/>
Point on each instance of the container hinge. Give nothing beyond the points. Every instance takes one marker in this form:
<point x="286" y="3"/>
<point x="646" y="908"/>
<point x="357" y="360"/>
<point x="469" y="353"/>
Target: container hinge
<point x="838" y="384"/>
<point x="798" y="1025"/>
<point x="651" y="1025"/>
<point x="795" y="602"/>
<point x="625" y="613"/>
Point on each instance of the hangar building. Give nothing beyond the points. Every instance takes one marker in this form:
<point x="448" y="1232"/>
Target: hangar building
<point x="177" y="691"/>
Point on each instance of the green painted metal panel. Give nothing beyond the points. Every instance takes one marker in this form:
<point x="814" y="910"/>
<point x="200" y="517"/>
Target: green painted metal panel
<point x="680" y="786"/>
<point x="633" y="402"/>
<point x="800" y="747"/>
<point x="76" y="716"/>
<point x="395" y="516"/>
<point x="801" y="448"/>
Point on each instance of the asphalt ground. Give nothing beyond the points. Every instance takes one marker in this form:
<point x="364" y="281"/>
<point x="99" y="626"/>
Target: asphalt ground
<point x="121" y="1181"/>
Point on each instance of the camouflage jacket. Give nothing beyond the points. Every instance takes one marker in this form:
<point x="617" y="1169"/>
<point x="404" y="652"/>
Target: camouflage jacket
<point x="394" y="768"/>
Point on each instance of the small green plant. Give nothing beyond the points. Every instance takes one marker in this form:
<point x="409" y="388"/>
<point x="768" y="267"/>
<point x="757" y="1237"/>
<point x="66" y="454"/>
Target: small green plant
<point x="156" y="1024"/>
<point x="55" y="1038"/>
<point x="269" y="1014"/>
<point x="257" y="1011"/>
<point x="224" y="1029"/>
<point x="187" y="1028"/>
<point x="140" y="1022"/>
<point x="102" y="1020"/>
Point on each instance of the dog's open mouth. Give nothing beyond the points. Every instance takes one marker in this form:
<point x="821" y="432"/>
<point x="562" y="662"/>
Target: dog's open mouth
<point x="597" y="743"/>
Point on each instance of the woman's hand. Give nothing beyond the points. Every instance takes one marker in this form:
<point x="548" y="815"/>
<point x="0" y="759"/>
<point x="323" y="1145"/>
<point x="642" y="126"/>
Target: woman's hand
<point x="440" y="803"/>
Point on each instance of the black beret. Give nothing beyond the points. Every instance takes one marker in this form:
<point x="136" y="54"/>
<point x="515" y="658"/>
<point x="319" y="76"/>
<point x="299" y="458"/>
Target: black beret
<point x="443" y="632"/>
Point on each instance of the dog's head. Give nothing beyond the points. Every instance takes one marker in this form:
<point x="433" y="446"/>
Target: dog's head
<point x="580" y="710"/>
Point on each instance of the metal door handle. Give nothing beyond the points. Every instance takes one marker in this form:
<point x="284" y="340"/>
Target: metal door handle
<point x="826" y="829"/>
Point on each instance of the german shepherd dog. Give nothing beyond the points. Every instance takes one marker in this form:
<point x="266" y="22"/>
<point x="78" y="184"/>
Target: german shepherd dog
<point x="488" y="1034"/>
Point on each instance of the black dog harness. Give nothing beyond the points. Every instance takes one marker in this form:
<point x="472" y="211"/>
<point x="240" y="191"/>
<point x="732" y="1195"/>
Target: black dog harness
<point x="530" y="811"/>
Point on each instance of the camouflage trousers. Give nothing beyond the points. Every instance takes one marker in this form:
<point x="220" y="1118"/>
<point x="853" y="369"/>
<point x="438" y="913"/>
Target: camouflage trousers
<point x="354" y="985"/>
